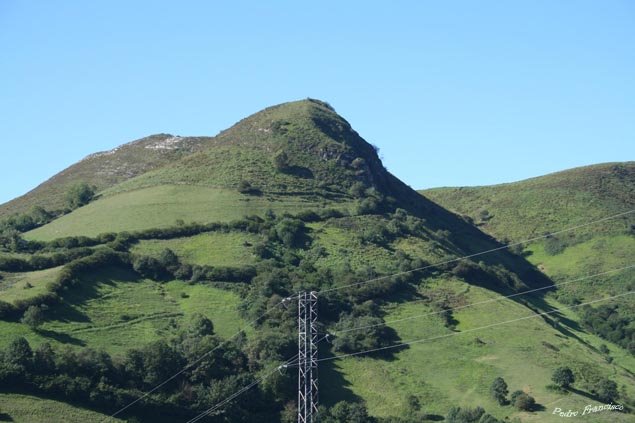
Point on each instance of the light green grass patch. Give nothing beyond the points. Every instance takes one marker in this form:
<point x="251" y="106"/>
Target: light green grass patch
<point x="22" y="286"/>
<point x="115" y="311"/>
<point x="343" y="246"/>
<point x="457" y="370"/>
<point x="214" y="248"/>
<point x="162" y="206"/>
<point x="219" y="305"/>
<point x="596" y="255"/>
<point x="31" y="409"/>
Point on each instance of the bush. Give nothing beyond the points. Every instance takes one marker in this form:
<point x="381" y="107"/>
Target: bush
<point x="563" y="377"/>
<point x="79" y="195"/>
<point x="499" y="390"/>
<point x="464" y="415"/>
<point x="290" y="232"/>
<point x="281" y="161"/>
<point x="554" y="246"/>
<point x="149" y="267"/>
<point x="347" y="412"/>
<point x="33" y="317"/>
<point x="353" y="339"/>
<point x="606" y="390"/>
<point x="245" y="187"/>
<point x="523" y="401"/>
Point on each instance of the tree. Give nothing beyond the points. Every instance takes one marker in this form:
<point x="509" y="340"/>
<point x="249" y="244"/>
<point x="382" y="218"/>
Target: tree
<point x="44" y="359"/>
<point x="606" y="390"/>
<point x="465" y="415"/>
<point x="290" y="231"/>
<point x="33" y="317"/>
<point x="149" y="267"/>
<point x="499" y="390"/>
<point x="200" y="326"/>
<point x="373" y="335"/>
<point x="79" y="194"/>
<point x="563" y="377"/>
<point x="554" y="246"/>
<point x="19" y="352"/>
<point x="244" y="187"/>
<point x="281" y="161"/>
<point x="413" y="404"/>
<point x="523" y="401"/>
<point x="346" y="412"/>
<point x="169" y="259"/>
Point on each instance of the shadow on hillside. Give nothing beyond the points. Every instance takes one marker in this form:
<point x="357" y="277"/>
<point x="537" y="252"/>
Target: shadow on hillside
<point x="85" y="290"/>
<point x="61" y="337"/>
<point x="299" y="172"/>
<point x="585" y="394"/>
<point x="4" y="417"/>
<point x="338" y="387"/>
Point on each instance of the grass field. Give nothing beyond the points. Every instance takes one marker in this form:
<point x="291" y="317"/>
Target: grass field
<point x="596" y="255"/>
<point x="458" y="370"/>
<point x="528" y="208"/>
<point x="215" y="248"/>
<point x="30" y="409"/>
<point x="162" y="206"/>
<point x="21" y="286"/>
<point x="114" y="311"/>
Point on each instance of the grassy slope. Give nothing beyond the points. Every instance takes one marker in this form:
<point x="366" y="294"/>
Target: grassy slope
<point x="161" y="206"/>
<point x="458" y="370"/>
<point x="115" y="311"/>
<point x="214" y="249"/>
<point x="548" y="203"/>
<point x="106" y="169"/>
<point x="14" y="286"/>
<point x="30" y="409"/>
<point x="321" y="147"/>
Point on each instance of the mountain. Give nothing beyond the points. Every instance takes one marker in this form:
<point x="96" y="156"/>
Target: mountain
<point x="105" y="169"/>
<point x="524" y="209"/>
<point x="176" y="254"/>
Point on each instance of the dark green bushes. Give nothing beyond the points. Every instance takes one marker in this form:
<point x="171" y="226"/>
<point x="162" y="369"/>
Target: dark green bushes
<point x="609" y="322"/>
<point x="95" y="378"/>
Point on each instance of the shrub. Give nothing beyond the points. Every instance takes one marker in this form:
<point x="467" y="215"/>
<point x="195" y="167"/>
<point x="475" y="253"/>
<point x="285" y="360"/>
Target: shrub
<point x="33" y="317"/>
<point x="281" y="161"/>
<point x="149" y="267"/>
<point x="464" y="415"/>
<point x="347" y="412"/>
<point x="499" y="390"/>
<point x="523" y="401"/>
<point x="244" y="187"/>
<point x="606" y="390"/>
<point x="79" y="195"/>
<point x="563" y="377"/>
<point x="290" y="232"/>
<point x="352" y="338"/>
<point x="554" y="246"/>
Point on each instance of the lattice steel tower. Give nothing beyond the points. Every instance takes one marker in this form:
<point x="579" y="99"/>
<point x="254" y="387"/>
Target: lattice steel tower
<point x="307" y="356"/>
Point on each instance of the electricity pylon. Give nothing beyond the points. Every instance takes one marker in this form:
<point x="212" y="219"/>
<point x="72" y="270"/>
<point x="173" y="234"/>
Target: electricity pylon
<point x="307" y="358"/>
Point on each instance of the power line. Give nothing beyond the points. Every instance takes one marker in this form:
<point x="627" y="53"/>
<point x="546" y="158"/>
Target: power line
<point x="289" y="363"/>
<point x="483" y="302"/>
<point x="146" y="394"/>
<point x="195" y="362"/>
<point x="475" y="254"/>
<point x="417" y="341"/>
<point x="241" y="391"/>
<point x="231" y="397"/>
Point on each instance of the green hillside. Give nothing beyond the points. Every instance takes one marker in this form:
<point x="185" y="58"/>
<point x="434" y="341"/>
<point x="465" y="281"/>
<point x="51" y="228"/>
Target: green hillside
<point x="105" y="169"/>
<point x="522" y="210"/>
<point x="166" y="265"/>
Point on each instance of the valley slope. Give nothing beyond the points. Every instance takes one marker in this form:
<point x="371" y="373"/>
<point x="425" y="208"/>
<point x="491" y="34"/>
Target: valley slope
<point x="187" y="231"/>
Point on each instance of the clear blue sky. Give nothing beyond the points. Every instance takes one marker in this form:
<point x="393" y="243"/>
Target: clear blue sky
<point x="453" y="93"/>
